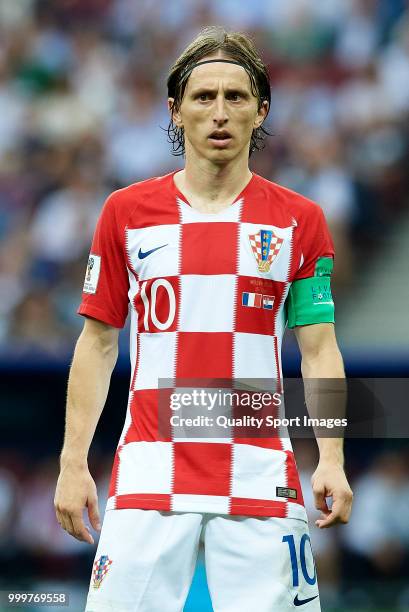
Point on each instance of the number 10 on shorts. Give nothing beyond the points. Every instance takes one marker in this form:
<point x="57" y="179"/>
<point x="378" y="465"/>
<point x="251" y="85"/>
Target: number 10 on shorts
<point x="298" y="559"/>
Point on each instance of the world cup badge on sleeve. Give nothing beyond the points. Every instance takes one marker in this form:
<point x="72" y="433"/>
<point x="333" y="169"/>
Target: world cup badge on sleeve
<point x="100" y="569"/>
<point x="90" y="265"/>
<point x="92" y="273"/>
<point x="265" y="246"/>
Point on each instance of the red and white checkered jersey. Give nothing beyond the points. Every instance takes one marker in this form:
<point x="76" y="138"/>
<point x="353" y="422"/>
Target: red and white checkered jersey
<point x="206" y="294"/>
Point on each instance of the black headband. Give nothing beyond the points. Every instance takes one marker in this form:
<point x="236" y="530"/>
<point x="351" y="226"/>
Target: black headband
<point x="190" y="68"/>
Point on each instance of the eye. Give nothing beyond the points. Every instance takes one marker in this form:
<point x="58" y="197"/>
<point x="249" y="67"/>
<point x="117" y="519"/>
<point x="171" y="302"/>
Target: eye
<point x="234" y="96"/>
<point x="203" y="97"/>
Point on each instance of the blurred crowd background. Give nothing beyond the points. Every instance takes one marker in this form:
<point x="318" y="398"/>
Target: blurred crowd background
<point x="83" y="112"/>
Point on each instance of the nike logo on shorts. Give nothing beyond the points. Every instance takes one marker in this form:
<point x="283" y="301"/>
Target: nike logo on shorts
<point x="142" y="254"/>
<point x="301" y="602"/>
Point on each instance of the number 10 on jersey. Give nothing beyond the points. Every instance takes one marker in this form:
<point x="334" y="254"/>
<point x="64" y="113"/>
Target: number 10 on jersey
<point x="159" y="304"/>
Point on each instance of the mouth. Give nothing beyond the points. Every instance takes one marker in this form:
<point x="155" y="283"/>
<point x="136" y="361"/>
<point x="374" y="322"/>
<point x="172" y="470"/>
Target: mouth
<point x="220" y="138"/>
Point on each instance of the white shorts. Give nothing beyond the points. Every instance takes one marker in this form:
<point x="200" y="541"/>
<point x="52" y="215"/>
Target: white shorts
<point x="145" y="562"/>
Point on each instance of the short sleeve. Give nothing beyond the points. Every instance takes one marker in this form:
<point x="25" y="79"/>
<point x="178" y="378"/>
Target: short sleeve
<point x="309" y="298"/>
<point x="314" y="242"/>
<point x="106" y="283"/>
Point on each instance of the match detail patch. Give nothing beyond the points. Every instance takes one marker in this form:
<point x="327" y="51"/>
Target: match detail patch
<point x="92" y="274"/>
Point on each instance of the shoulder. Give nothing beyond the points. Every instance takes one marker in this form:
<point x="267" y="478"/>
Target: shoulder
<point x="132" y="205"/>
<point x="144" y="204"/>
<point x="135" y="192"/>
<point x="300" y="207"/>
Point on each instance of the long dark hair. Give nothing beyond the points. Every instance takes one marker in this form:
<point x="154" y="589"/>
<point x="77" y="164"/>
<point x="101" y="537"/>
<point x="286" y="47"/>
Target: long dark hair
<point x="235" y="45"/>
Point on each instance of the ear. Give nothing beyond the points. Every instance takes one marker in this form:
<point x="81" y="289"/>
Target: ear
<point x="175" y="114"/>
<point x="261" y="114"/>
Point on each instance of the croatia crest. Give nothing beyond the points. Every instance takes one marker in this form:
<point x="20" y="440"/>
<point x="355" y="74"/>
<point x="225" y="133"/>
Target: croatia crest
<point x="265" y="246"/>
<point x="100" y="569"/>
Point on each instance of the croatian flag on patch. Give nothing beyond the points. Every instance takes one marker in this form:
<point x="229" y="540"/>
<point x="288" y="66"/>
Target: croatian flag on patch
<point x="251" y="299"/>
<point x="268" y="301"/>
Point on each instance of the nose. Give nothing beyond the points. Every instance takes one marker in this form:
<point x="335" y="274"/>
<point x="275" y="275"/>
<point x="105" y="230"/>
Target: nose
<point x="220" y="113"/>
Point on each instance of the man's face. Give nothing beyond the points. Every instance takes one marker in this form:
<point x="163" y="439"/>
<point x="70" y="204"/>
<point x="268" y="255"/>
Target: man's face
<point x="218" y="111"/>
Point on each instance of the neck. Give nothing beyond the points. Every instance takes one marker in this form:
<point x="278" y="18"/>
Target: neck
<point x="210" y="187"/>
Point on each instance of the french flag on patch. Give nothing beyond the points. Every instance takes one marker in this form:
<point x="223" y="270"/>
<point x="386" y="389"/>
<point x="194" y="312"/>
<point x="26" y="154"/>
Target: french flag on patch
<point x="251" y="299"/>
<point x="268" y="301"/>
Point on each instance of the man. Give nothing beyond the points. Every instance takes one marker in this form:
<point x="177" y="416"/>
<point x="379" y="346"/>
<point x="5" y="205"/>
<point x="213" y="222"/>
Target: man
<point x="213" y="260"/>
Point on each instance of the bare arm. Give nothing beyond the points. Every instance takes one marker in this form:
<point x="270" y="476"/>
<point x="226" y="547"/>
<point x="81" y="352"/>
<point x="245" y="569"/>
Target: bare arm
<point x="321" y="358"/>
<point x="94" y="359"/>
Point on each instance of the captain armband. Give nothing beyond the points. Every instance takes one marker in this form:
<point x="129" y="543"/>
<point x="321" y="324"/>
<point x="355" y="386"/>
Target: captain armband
<point x="310" y="300"/>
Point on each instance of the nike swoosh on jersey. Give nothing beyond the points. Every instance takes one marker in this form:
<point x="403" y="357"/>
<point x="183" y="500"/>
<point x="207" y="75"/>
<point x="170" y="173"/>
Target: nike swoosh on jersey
<point x="142" y="254"/>
<point x="301" y="602"/>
